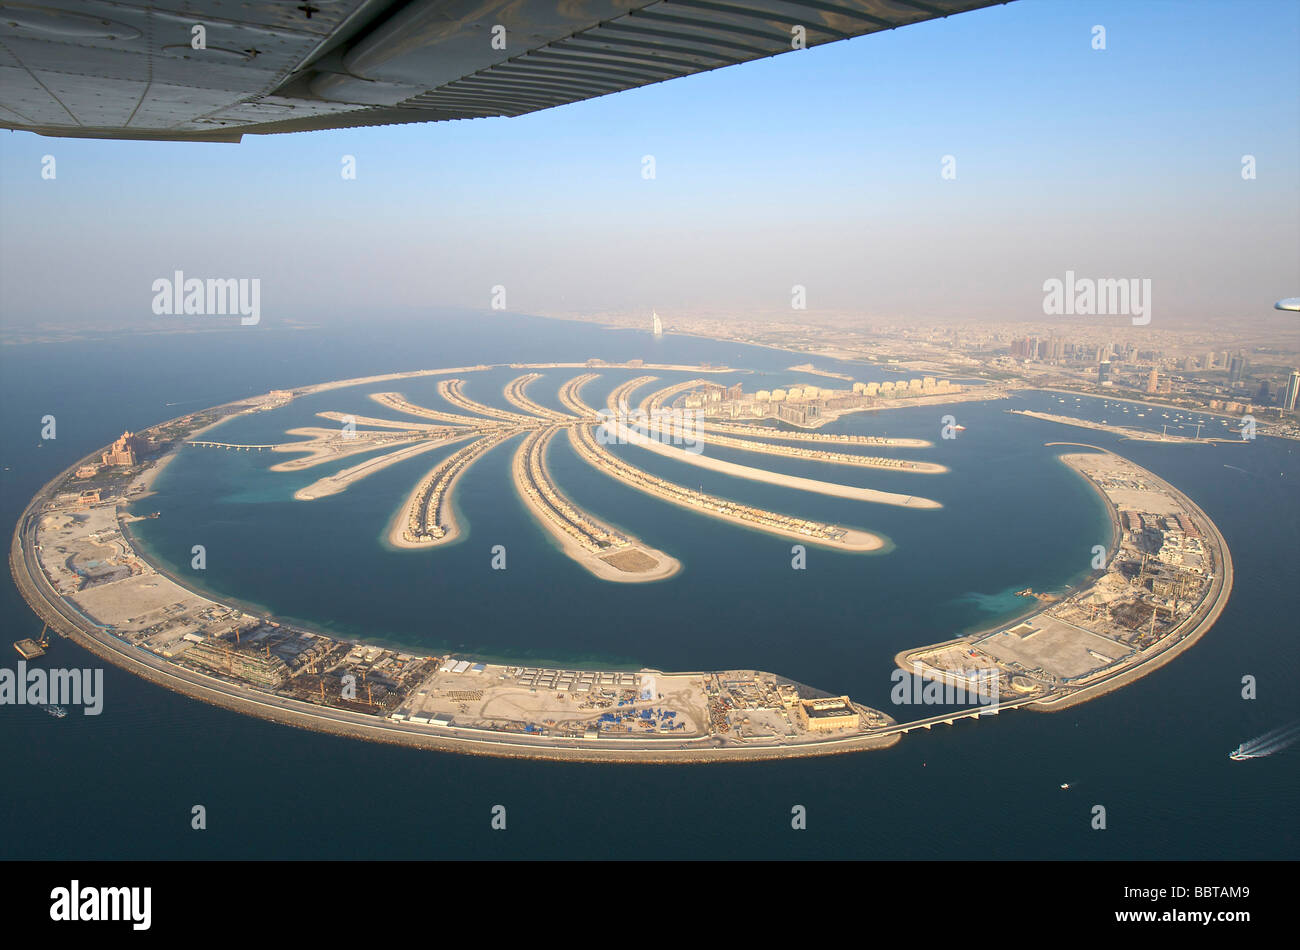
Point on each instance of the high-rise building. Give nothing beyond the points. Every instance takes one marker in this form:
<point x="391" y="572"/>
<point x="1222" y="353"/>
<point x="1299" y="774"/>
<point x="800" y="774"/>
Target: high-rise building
<point x="1236" y="368"/>
<point x="1209" y="361"/>
<point x="1264" y="397"/>
<point x="1103" y="372"/>
<point x="656" y="325"/>
<point x="1292" y="390"/>
<point x="123" y="451"/>
<point x="1153" y="380"/>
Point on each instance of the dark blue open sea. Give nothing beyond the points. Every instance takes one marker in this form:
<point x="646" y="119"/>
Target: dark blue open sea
<point x="121" y="785"/>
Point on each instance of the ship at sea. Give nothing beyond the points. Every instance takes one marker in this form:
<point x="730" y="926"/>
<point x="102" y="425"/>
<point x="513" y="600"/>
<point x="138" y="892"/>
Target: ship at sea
<point x="1239" y="754"/>
<point x="58" y="712"/>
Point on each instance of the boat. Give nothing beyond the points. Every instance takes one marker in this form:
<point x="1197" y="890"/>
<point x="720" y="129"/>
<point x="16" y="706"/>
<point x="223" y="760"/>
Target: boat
<point x="1065" y="785"/>
<point x="959" y="428"/>
<point x="1238" y="754"/>
<point x="58" y="712"/>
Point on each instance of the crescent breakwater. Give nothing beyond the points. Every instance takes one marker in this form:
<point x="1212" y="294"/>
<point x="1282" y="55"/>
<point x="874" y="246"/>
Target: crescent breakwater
<point x="1128" y="432"/>
<point x="258" y="666"/>
<point x="1131" y="617"/>
<point x="147" y="620"/>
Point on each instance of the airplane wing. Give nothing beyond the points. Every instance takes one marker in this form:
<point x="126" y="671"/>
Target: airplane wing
<point x="214" y="70"/>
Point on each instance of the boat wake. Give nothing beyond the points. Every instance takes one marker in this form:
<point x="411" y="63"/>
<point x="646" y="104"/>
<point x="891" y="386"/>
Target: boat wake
<point x="58" y="712"/>
<point x="1273" y="741"/>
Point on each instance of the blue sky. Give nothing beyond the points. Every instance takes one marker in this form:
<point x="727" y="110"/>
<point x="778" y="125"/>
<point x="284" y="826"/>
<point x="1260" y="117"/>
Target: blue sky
<point x="819" y="167"/>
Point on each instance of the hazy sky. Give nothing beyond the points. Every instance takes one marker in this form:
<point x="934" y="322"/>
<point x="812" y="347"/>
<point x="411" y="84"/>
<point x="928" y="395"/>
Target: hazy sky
<point x="819" y="168"/>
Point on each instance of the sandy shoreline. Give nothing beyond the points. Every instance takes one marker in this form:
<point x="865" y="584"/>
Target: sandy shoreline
<point x="743" y="429"/>
<point x="1131" y="401"/>
<point x="320" y="446"/>
<point x="1162" y="652"/>
<point x="666" y="566"/>
<point x="325" y="719"/>
<point x="835" y="489"/>
<point x="1129" y="433"/>
<point x="195" y="684"/>
<point x="703" y="435"/>
<point x="146" y="479"/>
<point x="809" y="368"/>
<point x="515" y="392"/>
<point x="852" y="540"/>
<point x="395" y="535"/>
<point x="1153" y="657"/>
<point x="341" y="481"/>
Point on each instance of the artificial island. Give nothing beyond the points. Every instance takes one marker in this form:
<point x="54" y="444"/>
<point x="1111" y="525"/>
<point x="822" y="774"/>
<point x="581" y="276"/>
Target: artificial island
<point x="1165" y="578"/>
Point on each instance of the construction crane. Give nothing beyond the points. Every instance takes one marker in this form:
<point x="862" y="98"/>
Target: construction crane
<point x="1142" y="572"/>
<point x="1155" y="613"/>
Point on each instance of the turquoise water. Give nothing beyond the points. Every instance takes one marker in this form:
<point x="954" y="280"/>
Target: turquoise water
<point x="1155" y="753"/>
<point x="738" y="603"/>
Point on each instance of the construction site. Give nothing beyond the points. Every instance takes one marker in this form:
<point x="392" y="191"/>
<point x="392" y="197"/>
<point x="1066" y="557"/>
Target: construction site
<point x="1166" y="577"/>
<point x="74" y="556"/>
<point x="1166" y="574"/>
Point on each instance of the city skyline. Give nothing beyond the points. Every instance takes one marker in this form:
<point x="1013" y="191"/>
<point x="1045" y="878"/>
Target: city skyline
<point x="945" y="170"/>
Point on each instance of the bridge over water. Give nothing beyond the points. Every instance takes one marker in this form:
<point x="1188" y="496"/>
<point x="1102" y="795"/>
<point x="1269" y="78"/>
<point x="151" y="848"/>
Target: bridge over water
<point x="948" y="718"/>
<point x="229" y="445"/>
